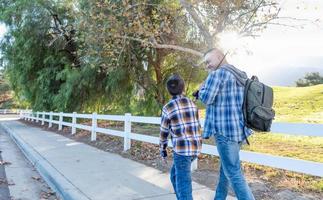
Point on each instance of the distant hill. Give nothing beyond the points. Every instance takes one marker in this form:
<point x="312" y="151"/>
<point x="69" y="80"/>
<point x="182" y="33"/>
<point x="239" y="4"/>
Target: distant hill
<point x="293" y="104"/>
<point x="286" y="76"/>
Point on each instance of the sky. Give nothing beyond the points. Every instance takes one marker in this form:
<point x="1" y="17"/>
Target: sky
<point x="281" y="55"/>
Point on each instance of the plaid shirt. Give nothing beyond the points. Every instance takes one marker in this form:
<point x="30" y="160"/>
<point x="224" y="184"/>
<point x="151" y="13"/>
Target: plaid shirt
<point x="180" y="119"/>
<point x="223" y="98"/>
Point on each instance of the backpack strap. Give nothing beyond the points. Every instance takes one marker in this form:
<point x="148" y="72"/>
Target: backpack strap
<point x="244" y="105"/>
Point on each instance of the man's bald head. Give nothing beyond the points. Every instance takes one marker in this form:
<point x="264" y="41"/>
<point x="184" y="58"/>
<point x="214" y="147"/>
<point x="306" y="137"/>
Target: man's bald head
<point x="213" y="58"/>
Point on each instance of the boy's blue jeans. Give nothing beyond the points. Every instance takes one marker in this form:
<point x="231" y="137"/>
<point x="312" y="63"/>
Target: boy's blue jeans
<point x="180" y="176"/>
<point x="230" y="171"/>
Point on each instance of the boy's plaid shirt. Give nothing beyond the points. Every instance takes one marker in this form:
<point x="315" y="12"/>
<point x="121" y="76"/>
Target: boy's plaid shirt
<point x="180" y="119"/>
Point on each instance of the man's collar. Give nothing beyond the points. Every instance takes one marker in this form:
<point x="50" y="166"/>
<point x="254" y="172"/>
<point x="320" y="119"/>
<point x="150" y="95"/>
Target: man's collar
<point x="219" y="67"/>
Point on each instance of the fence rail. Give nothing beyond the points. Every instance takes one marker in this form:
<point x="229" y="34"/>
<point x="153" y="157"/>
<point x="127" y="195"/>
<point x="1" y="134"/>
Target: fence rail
<point x="291" y="164"/>
<point x="9" y="111"/>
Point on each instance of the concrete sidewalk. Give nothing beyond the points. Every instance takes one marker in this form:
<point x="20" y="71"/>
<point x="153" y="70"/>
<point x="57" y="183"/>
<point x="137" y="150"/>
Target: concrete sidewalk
<point x="78" y="171"/>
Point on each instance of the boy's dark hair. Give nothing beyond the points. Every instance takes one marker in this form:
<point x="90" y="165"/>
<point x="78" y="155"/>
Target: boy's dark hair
<point x="175" y="85"/>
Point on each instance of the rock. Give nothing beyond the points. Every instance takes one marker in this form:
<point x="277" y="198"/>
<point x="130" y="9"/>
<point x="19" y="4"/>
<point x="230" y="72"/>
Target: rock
<point x="290" y="195"/>
<point x="258" y="186"/>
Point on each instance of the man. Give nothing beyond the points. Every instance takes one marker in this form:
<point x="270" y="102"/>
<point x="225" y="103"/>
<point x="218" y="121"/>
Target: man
<point x="180" y="119"/>
<point x="222" y="93"/>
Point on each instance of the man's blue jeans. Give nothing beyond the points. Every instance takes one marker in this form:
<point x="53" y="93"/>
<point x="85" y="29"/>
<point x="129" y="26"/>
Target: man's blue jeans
<point x="180" y="176"/>
<point x="230" y="171"/>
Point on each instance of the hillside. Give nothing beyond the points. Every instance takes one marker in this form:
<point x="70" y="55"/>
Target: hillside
<point x="299" y="104"/>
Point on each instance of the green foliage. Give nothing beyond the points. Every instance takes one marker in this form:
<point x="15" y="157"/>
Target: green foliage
<point x="108" y="56"/>
<point x="313" y="78"/>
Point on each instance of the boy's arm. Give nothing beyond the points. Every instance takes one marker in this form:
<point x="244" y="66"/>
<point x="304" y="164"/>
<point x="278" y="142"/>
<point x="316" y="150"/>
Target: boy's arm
<point x="212" y="86"/>
<point x="164" y="132"/>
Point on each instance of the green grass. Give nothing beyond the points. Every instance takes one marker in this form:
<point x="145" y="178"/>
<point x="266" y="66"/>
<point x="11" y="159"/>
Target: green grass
<point x="303" y="104"/>
<point x="301" y="147"/>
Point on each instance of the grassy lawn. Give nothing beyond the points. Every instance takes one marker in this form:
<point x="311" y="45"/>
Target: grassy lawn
<point x="303" y="104"/>
<point x="301" y="147"/>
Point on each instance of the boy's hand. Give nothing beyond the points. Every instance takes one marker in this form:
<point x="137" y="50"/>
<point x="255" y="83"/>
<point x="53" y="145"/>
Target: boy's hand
<point x="165" y="160"/>
<point x="196" y="94"/>
<point x="163" y="154"/>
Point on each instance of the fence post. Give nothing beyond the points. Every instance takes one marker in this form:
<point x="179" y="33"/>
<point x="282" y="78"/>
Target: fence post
<point x="50" y="123"/>
<point x="94" y="125"/>
<point x="194" y="165"/>
<point x="20" y="114"/>
<point x="60" y="121"/>
<point x="127" y="131"/>
<point x="73" y="123"/>
<point x="5" y="111"/>
<point x="37" y="115"/>
<point x="43" y="118"/>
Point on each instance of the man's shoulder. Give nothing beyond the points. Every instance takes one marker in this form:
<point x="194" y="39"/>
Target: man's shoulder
<point x="220" y="72"/>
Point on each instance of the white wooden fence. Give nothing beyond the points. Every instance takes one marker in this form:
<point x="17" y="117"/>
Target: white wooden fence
<point x="291" y="164"/>
<point x="9" y="111"/>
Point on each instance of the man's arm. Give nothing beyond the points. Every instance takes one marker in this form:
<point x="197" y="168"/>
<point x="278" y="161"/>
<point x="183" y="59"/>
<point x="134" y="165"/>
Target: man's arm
<point x="212" y="86"/>
<point x="164" y="132"/>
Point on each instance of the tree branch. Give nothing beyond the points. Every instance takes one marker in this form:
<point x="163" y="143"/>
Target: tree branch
<point x="154" y="44"/>
<point x="205" y="32"/>
<point x="253" y="14"/>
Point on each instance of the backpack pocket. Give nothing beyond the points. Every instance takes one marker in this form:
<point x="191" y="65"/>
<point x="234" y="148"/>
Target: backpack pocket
<point x="261" y="118"/>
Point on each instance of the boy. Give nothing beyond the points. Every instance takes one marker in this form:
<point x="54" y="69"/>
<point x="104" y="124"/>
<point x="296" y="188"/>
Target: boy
<point x="180" y="119"/>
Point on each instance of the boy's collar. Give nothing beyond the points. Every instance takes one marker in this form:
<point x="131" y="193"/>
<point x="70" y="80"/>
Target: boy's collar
<point x="177" y="96"/>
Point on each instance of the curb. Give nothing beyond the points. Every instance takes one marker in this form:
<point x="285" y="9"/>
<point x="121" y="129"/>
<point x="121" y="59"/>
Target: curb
<point x="57" y="181"/>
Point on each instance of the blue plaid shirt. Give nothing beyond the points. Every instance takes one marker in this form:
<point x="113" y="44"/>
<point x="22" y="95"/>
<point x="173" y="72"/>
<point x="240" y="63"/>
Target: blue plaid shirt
<point x="180" y="119"/>
<point x="223" y="98"/>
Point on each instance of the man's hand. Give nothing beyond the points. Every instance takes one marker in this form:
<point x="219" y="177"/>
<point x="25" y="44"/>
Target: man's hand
<point x="202" y="85"/>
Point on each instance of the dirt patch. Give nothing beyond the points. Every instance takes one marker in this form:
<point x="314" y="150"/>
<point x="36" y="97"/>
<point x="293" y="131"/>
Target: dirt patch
<point x="266" y="183"/>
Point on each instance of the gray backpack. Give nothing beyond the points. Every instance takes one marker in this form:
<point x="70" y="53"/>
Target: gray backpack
<point x="257" y="105"/>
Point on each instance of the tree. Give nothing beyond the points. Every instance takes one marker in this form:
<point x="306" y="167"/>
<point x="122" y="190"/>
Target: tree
<point x="36" y="67"/>
<point x="115" y="55"/>
<point x="310" y="79"/>
<point x="127" y="34"/>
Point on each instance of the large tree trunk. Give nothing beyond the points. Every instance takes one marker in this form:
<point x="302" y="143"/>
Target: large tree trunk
<point x="157" y="65"/>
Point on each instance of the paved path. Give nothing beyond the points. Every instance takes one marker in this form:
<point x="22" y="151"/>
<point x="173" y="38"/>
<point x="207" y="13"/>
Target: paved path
<point x="18" y="178"/>
<point x="79" y="171"/>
